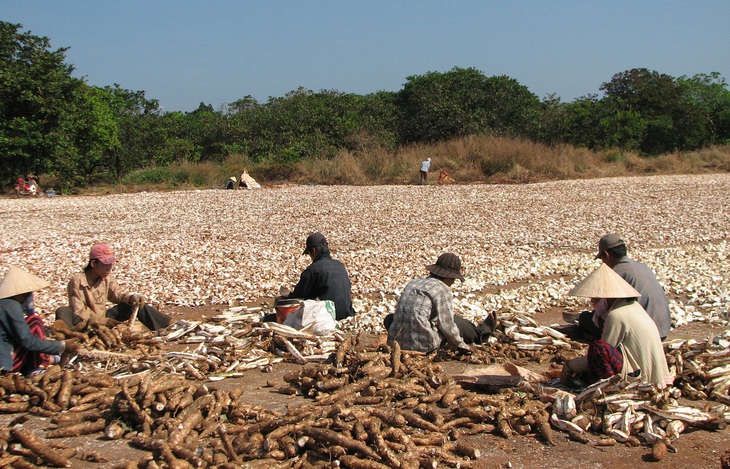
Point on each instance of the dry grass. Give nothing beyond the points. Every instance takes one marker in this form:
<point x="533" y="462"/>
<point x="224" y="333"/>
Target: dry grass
<point x="467" y="160"/>
<point x="497" y="159"/>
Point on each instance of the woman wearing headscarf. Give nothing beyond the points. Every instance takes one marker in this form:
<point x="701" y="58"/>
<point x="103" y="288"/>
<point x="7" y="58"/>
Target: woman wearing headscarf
<point x="23" y="347"/>
<point x="630" y="342"/>
<point x="90" y="291"/>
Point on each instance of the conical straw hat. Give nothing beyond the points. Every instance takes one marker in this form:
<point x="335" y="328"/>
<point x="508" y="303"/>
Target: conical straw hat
<point x="18" y="281"/>
<point x="604" y="283"/>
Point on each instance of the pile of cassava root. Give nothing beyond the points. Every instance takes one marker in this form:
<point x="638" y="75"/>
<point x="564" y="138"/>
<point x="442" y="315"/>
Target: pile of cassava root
<point x="372" y="407"/>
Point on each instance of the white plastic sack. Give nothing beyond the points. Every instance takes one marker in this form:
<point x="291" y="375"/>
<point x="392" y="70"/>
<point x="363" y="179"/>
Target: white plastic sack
<point x="315" y="316"/>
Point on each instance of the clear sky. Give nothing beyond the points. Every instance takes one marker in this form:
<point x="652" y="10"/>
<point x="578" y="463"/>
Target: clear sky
<point x="184" y="52"/>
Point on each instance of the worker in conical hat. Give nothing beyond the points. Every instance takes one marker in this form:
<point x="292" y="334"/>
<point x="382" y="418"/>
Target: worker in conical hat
<point x="23" y="347"/>
<point x="629" y="344"/>
<point x="612" y="251"/>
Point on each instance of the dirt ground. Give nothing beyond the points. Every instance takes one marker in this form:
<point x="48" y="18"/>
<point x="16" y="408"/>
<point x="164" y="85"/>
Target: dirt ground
<point x="697" y="449"/>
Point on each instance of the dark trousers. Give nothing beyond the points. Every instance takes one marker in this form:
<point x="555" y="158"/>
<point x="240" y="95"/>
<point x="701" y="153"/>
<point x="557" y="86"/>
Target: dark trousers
<point x="470" y="333"/>
<point x="147" y="315"/>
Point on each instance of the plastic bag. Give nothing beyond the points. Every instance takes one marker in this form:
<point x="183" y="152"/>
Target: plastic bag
<point x="316" y="316"/>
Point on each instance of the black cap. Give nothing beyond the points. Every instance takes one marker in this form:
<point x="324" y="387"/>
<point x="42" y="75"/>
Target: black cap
<point x="448" y="265"/>
<point x="607" y="242"/>
<point x="314" y="240"/>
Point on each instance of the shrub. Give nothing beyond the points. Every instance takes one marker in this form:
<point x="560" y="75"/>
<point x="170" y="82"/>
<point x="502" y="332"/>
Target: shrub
<point x="614" y="156"/>
<point x="153" y="175"/>
<point x="496" y="165"/>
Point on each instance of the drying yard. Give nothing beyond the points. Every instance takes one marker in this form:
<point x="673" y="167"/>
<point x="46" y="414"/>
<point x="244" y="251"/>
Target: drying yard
<point x="220" y="389"/>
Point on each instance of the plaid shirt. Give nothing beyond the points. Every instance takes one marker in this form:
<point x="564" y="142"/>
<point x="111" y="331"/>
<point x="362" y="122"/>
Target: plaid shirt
<point x="424" y="317"/>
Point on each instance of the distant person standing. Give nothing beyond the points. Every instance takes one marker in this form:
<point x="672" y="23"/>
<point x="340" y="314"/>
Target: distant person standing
<point x="423" y="173"/>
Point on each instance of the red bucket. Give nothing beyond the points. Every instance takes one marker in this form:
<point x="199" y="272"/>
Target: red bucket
<point x="284" y="308"/>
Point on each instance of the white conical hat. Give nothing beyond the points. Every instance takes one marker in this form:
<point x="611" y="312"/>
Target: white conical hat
<point x="604" y="283"/>
<point x="18" y="281"/>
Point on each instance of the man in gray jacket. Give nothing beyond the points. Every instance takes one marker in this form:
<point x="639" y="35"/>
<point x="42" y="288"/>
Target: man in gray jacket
<point x="612" y="251"/>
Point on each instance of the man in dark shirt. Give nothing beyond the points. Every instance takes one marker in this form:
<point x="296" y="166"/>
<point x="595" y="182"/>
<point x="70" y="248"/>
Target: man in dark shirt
<point x="325" y="278"/>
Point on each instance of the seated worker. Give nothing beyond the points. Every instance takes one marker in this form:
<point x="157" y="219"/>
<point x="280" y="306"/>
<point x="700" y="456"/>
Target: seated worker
<point x="247" y="182"/>
<point x="424" y="318"/>
<point x="231" y="183"/>
<point x="627" y="329"/>
<point x="324" y="279"/>
<point x="23" y="348"/>
<point x="90" y="290"/>
<point x="612" y="251"/>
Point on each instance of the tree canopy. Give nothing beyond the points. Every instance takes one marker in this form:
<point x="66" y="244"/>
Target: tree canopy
<point x="53" y="123"/>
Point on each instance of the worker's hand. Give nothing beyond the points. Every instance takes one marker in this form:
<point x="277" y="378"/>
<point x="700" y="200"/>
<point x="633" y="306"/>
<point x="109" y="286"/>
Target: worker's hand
<point x="112" y="322"/>
<point x="71" y="345"/>
<point x="60" y="326"/>
<point x="91" y="322"/>
<point x="137" y="299"/>
<point x="566" y="374"/>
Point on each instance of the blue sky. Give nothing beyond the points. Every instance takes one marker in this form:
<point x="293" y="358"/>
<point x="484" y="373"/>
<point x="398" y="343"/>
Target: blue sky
<point x="185" y="52"/>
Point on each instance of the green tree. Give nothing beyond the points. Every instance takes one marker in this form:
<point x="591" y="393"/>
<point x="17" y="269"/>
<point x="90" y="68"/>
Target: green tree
<point x="710" y="95"/>
<point x="552" y="125"/>
<point x="306" y="124"/>
<point x="179" y="142"/>
<point x="93" y="134"/>
<point x="208" y="130"/>
<point x="513" y="110"/>
<point x="140" y="134"/>
<point x="438" y="106"/>
<point x="582" y="119"/>
<point x="36" y="103"/>
<point x="670" y="122"/>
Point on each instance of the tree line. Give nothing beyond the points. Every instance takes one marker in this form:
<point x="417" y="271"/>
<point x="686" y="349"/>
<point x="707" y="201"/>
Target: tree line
<point x="53" y="123"/>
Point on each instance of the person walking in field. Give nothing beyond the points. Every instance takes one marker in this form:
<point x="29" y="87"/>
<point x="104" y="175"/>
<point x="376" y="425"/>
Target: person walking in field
<point x="423" y="173"/>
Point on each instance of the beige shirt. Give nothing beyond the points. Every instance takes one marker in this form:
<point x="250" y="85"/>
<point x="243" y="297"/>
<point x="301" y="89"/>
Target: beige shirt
<point x="628" y="325"/>
<point x="90" y="301"/>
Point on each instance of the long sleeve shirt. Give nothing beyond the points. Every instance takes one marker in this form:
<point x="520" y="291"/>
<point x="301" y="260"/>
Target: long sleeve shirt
<point x="628" y="325"/>
<point x="653" y="299"/>
<point x="424" y="317"/>
<point x="14" y="332"/>
<point x="89" y="302"/>
<point x="326" y="279"/>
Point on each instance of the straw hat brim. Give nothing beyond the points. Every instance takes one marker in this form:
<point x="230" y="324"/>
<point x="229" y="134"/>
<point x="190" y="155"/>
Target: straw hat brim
<point x="17" y="281"/>
<point x="604" y="283"/>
